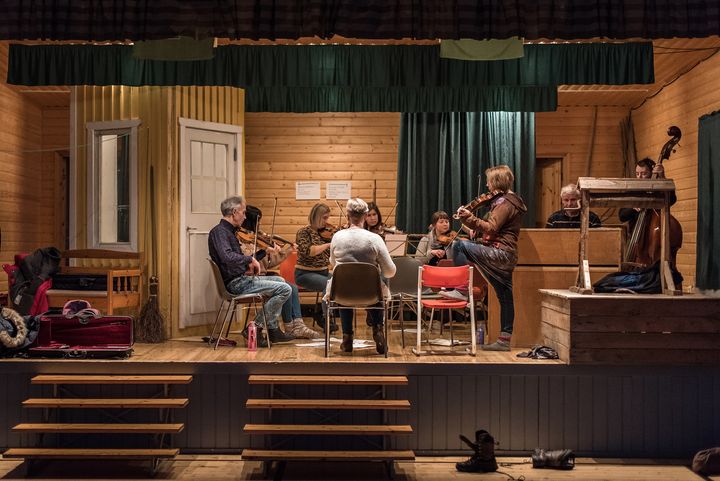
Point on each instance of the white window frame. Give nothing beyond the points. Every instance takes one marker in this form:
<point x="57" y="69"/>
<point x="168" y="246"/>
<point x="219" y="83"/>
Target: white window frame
<point x="93" y="183"/>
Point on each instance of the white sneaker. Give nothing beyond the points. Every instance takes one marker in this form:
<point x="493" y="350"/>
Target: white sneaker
<point x="298" y="329"/>
<point x="454" y="295"/>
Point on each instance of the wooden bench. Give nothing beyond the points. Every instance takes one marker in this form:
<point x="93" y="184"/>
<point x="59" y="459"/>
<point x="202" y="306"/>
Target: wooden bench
<point x="83" y="453"/>
<point x="124" y="284"/>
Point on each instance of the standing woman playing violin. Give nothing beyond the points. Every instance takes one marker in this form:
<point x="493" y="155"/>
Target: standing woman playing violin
<point x="313" y="247"/>
<point x="496" y="255"/>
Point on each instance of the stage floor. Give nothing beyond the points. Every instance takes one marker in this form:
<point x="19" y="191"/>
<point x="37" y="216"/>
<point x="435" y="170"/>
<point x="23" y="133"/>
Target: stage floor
<point x="194" y="351"/>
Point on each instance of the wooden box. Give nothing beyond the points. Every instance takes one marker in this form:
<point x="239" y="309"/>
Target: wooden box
<point x="631" y="329"/>
<point x="548" y="260"/>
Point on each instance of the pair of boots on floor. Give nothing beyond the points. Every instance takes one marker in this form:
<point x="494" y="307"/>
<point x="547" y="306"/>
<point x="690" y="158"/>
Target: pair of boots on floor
<point x="378" y="337"/>
<point x="293" y="330"/>
<point x="483" y="461"/>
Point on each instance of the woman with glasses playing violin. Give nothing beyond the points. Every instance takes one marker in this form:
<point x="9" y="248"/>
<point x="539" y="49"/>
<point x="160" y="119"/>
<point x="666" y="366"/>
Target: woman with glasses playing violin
<point x="271" y="251"/>
<point x="496" y="253"/>
<point x="313" y="248"/>
<point x="569" y="216"/>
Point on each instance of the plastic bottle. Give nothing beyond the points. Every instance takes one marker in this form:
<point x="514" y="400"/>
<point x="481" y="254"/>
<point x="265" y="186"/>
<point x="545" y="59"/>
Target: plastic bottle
<point x="480" y="335"/>
<point x="252" y="336"/>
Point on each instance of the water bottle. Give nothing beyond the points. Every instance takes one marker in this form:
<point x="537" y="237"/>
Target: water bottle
<point x="252" y="336"/>
<point x="480" y="335"/>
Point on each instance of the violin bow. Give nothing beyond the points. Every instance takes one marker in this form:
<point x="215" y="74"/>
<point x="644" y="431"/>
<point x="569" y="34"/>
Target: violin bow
<point x="257" y="228"/>
<point x="340" y="217"/>
<point x="272" y="229"/>
<point x="392" y="211"/>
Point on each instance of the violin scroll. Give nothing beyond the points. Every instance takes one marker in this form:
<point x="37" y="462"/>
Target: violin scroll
<point x="480" y="201"/>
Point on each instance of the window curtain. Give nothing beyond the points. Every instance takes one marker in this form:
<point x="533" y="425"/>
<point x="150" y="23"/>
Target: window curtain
<point x="443" y="155"/>
<point x="707" y="263"/>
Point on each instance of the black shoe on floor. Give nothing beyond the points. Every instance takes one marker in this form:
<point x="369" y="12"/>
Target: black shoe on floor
<point x="379" y="338"/>
<point x="276" y="335"/>
<point x="347" y="343"/>
<point x="261" y="341"/>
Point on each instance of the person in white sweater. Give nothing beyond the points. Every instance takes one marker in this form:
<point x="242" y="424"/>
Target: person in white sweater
<point x="355" y="244"/>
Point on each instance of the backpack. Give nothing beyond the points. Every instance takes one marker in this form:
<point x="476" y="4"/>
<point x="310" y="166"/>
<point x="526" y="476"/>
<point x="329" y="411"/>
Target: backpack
<point x="644" y="281"/>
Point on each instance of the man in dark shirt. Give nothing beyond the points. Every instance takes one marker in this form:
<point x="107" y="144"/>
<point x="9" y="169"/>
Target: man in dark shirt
<point x="644" y="169"/>
<point x="569" y="215"/>
<point x="239" y="272"/>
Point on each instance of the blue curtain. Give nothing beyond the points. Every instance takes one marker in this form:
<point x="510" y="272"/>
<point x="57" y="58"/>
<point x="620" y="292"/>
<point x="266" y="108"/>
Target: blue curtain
<point x="443" y="155"/>
<point x="707" y="262"/>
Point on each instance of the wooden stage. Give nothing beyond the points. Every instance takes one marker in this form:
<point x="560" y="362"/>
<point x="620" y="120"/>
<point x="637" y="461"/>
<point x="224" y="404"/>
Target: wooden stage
<point x="652" y="410"/>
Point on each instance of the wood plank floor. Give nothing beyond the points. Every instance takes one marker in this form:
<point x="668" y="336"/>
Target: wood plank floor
<point x="226" y="468"/>
<point x="193" y="350"/>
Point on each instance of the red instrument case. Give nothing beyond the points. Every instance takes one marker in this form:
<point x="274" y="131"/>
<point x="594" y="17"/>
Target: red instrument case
<point x="84" y="337"/>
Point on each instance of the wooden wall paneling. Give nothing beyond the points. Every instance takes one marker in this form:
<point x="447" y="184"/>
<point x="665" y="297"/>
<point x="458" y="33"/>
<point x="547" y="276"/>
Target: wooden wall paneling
<point x="284" y="148"/>
<point x="26" y="181"/>
<point x="681" y="103"/>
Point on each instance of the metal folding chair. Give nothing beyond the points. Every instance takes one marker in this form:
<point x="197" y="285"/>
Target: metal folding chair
<point x="449" y="278"/>
<point x="233" y="301"/>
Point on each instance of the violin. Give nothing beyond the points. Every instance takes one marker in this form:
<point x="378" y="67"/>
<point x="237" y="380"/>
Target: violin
<point x="447" y="238"/>
<point x="479" y="201"/>
<point x="326" y="232"/>
<point x="248" y="237"/>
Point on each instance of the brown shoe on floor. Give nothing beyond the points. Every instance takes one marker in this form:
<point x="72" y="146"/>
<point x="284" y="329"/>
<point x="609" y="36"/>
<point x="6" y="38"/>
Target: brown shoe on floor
<point x="379" y="337"/>
<point x="347" y="343"/>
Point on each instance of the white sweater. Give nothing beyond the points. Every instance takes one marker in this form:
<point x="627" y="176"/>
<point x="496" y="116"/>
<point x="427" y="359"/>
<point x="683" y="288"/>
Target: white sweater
<point x="360" y="245"/>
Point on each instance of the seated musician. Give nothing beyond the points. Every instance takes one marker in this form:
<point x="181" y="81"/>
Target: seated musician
<point x="569" y="215"/>
<point x="239" y="271"/>
<point x="355" y="244"/>
<point x="313" y="248"/>
<point x="374" y="222"/>
<point x="496" y="255"/>
<point x="644" y="169"/>
<point x="270" y="257"/>
<point x="430" y="246"/>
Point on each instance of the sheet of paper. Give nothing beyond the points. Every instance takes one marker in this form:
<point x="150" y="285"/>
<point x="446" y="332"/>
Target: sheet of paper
<point x="338" y="190"/>
<point x="307" y="190"/>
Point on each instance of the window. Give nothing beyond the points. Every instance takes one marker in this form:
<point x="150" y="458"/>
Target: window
<point x="112" y="185"/>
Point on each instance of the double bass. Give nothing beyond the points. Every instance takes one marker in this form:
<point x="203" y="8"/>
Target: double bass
<point x="645" y="243"/>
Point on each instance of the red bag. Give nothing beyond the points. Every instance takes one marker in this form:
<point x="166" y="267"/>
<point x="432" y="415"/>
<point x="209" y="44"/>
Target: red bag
<point x="84" y="337"/>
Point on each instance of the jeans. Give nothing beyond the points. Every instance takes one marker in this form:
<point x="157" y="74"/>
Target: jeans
<point x="273" y="286"/>
<point x="291" y="309"/>
<point x="313" y="281"/>
<point x="374" y="318"/>
<point x="497" y="266"/>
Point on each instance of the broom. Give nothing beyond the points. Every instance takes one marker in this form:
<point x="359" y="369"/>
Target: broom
<point x="151" y="324"/>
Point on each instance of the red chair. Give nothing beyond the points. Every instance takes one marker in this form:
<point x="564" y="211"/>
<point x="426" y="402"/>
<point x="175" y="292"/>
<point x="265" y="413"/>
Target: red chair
<point x="448" y="278"/>
<point x="287" y="272"/>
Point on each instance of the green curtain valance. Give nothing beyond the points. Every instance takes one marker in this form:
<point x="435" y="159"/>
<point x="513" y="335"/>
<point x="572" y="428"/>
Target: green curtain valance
<point x="393" y="75"/>
<point x="333" y="65"/>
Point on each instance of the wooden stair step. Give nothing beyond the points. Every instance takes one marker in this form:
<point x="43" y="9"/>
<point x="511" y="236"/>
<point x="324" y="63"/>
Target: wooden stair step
<point x="103" y="379"/>
<point x="82" y="453"/>
<point x="120" y="403"/>
<point x="336" y="380"/>
<point x="271" y="455"/>
<point x="91" y="428"/>
<point x="327" y="429"/>
<point x="327" y="404"/>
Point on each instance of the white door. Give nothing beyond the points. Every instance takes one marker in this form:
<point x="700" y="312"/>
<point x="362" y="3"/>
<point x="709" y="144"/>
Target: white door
<point x="210" y="171"/>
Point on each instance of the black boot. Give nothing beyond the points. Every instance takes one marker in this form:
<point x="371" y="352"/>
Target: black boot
<point x="347" y="343"/>
<point x="483" y="461"/>
<point x="276" y="335"/>
<point x="260" y="337"/>
<point x="557" y="459"/>
<point x="379" y="338"/>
